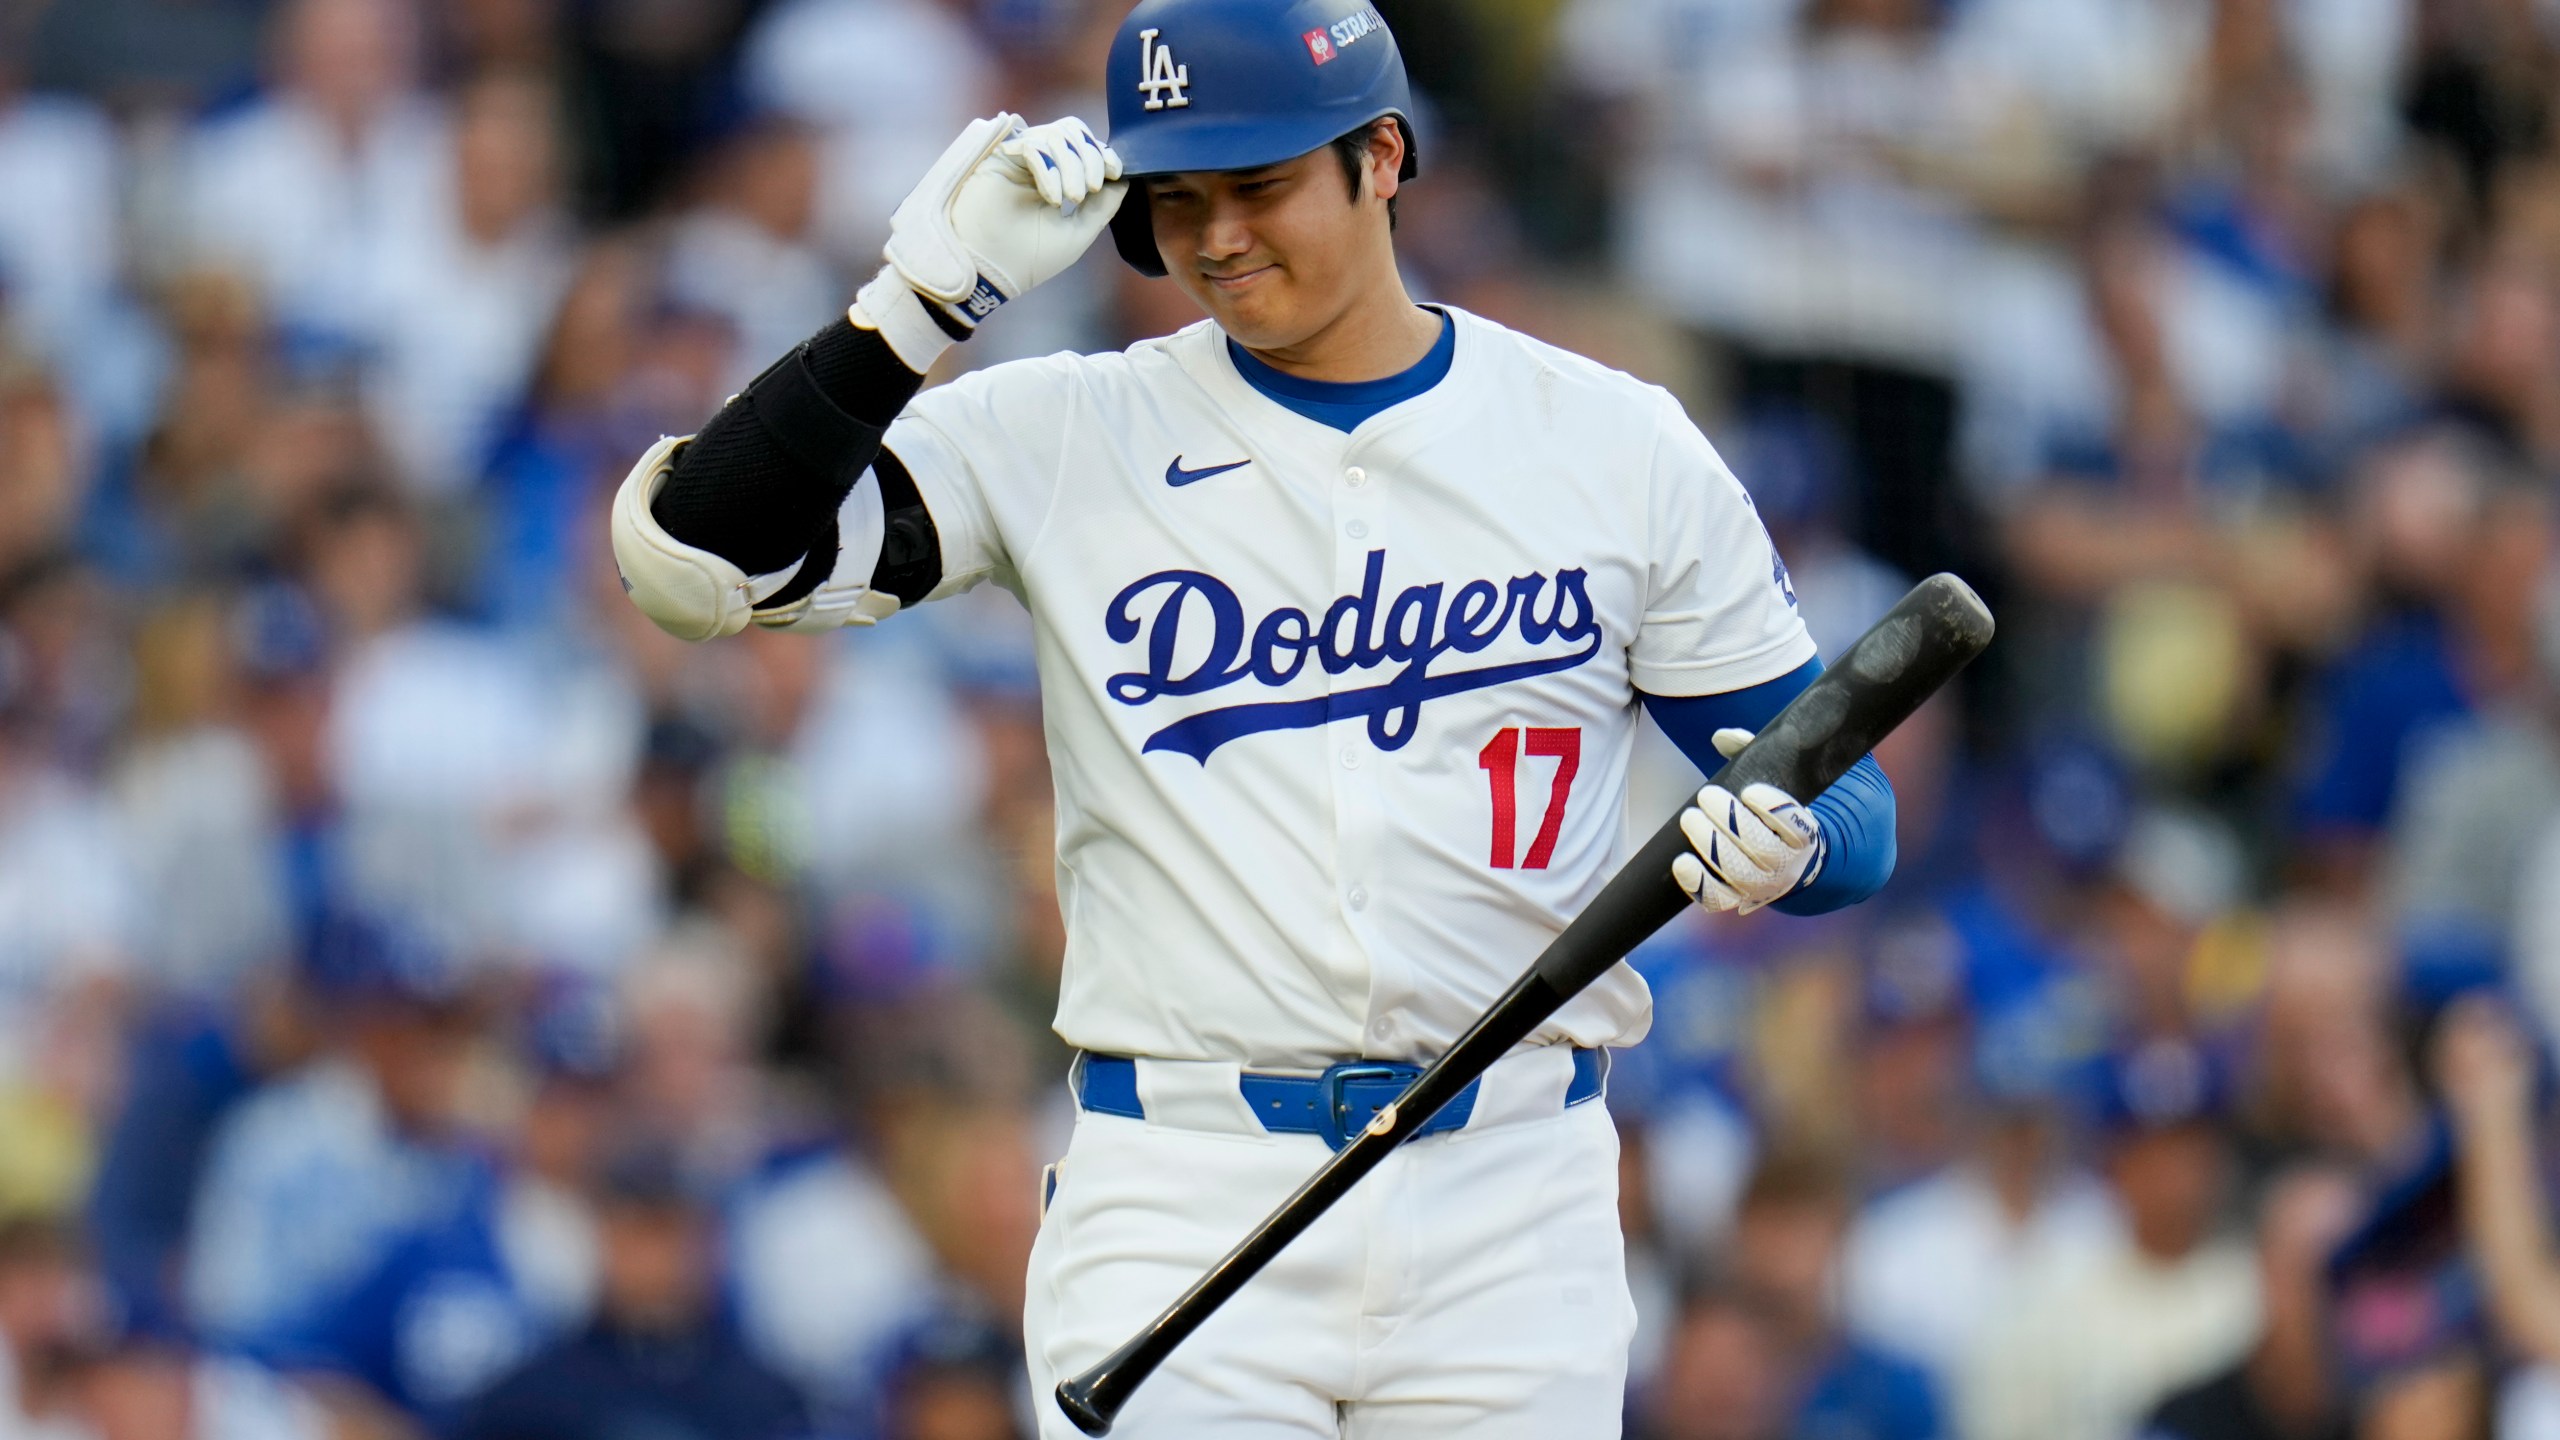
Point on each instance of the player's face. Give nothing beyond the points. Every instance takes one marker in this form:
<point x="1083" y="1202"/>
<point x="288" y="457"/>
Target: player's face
<point x="1277" y="255"/>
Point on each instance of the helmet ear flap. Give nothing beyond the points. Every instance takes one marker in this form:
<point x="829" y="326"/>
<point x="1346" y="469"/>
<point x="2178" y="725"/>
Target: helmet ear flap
<point x="1134" y="232"/>
<point x="1412" y="165"/>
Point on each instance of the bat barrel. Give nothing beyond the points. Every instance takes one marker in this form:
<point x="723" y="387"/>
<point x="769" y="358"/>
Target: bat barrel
<point x="1874" y="685"/>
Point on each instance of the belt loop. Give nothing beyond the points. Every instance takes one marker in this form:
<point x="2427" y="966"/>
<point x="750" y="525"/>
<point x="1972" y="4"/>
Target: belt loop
<point x="1195" y="1095"/>
<point x="1524" y="1085"/>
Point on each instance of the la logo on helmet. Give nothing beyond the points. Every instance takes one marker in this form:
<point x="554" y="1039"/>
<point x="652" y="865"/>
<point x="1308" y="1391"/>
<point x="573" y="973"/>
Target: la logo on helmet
<point x="1159" y="78"/>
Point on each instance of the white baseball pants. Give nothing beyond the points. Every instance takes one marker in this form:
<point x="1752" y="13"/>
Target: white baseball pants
<point x="1472" y="1285"/>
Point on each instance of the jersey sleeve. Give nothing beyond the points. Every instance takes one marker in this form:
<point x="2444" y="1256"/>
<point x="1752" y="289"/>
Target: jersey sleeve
<point x="986" y="452"/>
<point x="1720" y="612"/>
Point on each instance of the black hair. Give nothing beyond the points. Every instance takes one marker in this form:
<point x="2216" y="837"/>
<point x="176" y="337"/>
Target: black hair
<point x="1352" y="150"/>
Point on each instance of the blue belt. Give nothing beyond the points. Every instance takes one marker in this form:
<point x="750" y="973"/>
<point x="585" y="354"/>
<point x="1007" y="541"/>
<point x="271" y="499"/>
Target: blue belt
<point x="1336" y="1105"/>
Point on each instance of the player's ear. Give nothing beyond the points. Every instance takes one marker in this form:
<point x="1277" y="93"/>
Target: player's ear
<point x="1386" y="158"/>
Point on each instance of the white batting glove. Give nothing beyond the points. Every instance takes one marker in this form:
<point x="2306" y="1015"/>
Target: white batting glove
<point x="1748" y="849"/>
<point x="1006" y="207"/>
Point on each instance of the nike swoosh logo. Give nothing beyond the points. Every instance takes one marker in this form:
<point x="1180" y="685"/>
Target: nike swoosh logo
<point x="1176" y="476"/>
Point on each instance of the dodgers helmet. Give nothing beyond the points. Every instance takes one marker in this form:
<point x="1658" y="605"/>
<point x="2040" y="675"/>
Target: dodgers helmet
<point x="1236" y="84"/>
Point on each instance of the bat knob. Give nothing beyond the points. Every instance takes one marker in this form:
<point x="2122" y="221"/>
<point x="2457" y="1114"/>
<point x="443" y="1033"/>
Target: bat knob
<point x="1076" y="1398"/>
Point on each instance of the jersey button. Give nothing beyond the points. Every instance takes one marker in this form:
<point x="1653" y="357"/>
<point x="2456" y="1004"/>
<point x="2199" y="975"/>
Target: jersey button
<point x="1351" y="758"/>
<point x="1359" y="898"/>
<point x="1356" y="477"/>
<point x="1383" y="1029"/>
<point x="1359" y="529"/>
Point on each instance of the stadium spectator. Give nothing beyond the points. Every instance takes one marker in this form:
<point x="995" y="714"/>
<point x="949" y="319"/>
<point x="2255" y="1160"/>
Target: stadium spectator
<point x="2330" y="1076"/>
<point x="465" y="303"/>
<point x="46" y="1310"/>
<point x="656" y="1361"/>
<point x="1786" y="1259"/>
<point x="62" y="248"/>
<point x="1926" y="1267"/>
<point x="306" y="187"/>
<point x="346" y="1173"/>
<point x="829" y="1275"/>
<point x="2284" y="1389"/>
<point x="955" y="1381"/>
<point x="186" y="1070"/>
<point x="875" y="79"/>
<point x="546" y="1218"/>
<point x="2455" y="539"/>
<point x="2093" y="1342"/>
<point x="744" y="254"/>
<point x="1721" y="1375"/>
<point x="2489" y="1079"/>
<point x="143" y="1383"/>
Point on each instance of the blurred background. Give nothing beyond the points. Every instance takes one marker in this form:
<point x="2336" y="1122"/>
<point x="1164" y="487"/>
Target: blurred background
<point x="435" y="1004"/>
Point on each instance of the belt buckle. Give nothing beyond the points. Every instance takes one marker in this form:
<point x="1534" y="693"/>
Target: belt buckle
<point x="1331" y="1102"/>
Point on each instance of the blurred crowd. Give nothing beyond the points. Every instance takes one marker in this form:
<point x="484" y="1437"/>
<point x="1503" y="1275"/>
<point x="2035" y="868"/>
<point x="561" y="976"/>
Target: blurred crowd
<point x="433" y="1003"/>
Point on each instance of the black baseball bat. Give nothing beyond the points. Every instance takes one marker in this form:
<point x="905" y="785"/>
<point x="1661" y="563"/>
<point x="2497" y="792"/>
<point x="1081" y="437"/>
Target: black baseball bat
<point x="1916" y="648"/>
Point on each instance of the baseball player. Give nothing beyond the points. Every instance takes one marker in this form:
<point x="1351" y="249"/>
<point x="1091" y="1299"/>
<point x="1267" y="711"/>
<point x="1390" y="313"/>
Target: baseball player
<point x="1345" y="607"/>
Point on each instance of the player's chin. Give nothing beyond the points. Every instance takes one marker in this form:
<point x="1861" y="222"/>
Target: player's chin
<point x="1261" y="316"/>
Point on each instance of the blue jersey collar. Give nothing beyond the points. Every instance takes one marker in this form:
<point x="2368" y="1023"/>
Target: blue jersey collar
<point x="1344" y="404"/>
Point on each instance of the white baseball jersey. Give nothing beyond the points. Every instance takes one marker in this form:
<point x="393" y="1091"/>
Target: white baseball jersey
<point x="1340" y="722"/>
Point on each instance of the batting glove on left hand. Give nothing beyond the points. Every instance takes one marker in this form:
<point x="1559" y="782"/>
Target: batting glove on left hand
<point x="1746" y="849"/>
<point x="1005" y="207"/>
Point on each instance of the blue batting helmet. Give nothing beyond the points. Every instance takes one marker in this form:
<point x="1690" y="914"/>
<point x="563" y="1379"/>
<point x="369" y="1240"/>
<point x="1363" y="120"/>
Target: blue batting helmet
<point x="1237" y="84"/>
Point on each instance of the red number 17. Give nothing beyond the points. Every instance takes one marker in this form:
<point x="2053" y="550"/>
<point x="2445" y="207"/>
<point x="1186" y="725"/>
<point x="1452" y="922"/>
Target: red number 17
<point x="1500" y="760"/>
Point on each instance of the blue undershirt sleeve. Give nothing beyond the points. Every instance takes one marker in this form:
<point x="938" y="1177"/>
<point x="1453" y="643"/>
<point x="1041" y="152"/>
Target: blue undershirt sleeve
<point x="1856" y="812"/>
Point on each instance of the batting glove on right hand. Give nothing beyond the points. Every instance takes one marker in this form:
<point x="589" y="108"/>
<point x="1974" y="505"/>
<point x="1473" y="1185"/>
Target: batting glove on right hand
<point x="1005" y="207"/>
<point x="1748" y="849"/>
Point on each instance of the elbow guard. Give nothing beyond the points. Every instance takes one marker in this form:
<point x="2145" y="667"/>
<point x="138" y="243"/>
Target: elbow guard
<point x="690" y="592"/>
<point x="694" y="594"/>
<point x="762" y="479"/>
<point x="754" y="518"/>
